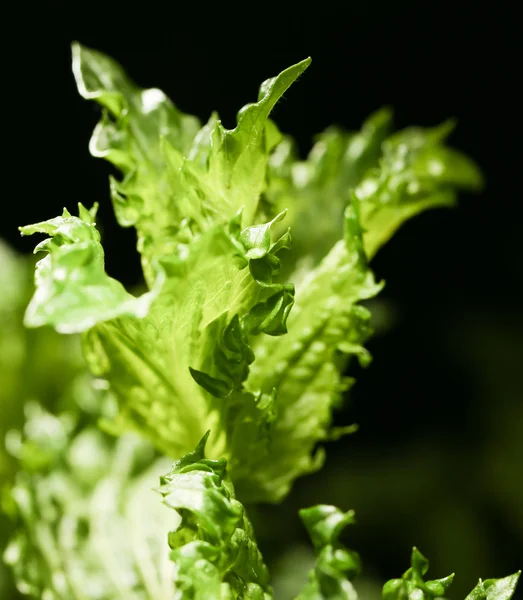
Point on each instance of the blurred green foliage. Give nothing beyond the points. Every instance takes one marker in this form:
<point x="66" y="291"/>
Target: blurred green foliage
<point x="458" y="495"/>
<point x="461" y="502"/>
<point x="35" y="365"/>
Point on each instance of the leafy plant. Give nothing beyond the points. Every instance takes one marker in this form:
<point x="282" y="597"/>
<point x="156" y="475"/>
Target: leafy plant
<point x="35" y="365"/>
<point x="223" y="365"/>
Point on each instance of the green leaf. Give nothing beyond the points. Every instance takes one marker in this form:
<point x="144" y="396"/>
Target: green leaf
<point x="177" y="180"/>
<point x="316" y="191"/>
<point x="217" y="297"/>
<point x="180" y="370"/>
<point x="221" y="341"/>
<point x="213" y="547"/>
<point x="88" y="524"/>
<point x="213" y="346"/>
<point x="140" y="131"/>
<point x="495" y="589"/>
<point x="325" y="328"/>
<point x="35" y="365"/>
<point x="412" y="585"/>
<point x="394" y="176"/>
<point x="73" y="291"/>
<point x="416" y="172"/>
<point x="237" y="159"/>
<point x="335" y="565"/>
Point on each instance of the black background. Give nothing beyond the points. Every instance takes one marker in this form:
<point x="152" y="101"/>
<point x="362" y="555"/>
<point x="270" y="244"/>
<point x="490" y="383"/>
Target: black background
<point x="429" y="61"/>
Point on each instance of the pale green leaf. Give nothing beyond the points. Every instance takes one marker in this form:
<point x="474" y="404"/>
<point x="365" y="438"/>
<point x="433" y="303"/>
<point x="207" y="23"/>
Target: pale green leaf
<point x="213" y="547"/>
<point x="73" y="291"/>
<point x="326" y="326"/>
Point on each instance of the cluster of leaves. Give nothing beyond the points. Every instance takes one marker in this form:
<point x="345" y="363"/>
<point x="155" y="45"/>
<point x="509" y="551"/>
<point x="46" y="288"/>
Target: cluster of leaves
<point x="87" y="527"/>
<point x="412" y="585"/>
<point x="220" y="342"/>
<point x="205" y="348"/>
<point x="35" y="364"/>
<point x="93" y="529"/>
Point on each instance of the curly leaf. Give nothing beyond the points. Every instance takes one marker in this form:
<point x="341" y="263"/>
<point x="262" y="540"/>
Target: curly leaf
<point x="88" y="525"/>
<point x="141" y="132"/>
<point x="73" y="291"/>
<point x="416" y="172"/>
<point x="325" y="327"/>
<point x="180" y="370"/>
<point x="175" y="177"/>
<point x="317" y="190"/>
<point x="335" y="565"/>
<point x="213" y="547"/>
<point x="237" y="160"/>
<point x="495" y="589"/>
<point x="394" y="176"/>
<point x="218" y="346"/>
<point x="412" y="585"/>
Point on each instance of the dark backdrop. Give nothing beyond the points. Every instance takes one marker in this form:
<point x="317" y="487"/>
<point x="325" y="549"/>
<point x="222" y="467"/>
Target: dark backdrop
<point x="454" y="278"/>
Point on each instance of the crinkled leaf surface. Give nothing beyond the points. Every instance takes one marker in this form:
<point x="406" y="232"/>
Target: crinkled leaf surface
<point x="73" y="291"/>
<point x="325" y="328"/>
<point x="394" y="176"/>
<point x="139" y="131"/>
<point x="416" y="171"/>
<point x="336" y="566"/>
<point x="412" y="585"/>
<point x="222" y="341"/>
<point x="317" y="190"/>
<point x="89" y="524"/>
<point x="213" y="548"/>
<point x="176" y="177"/>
